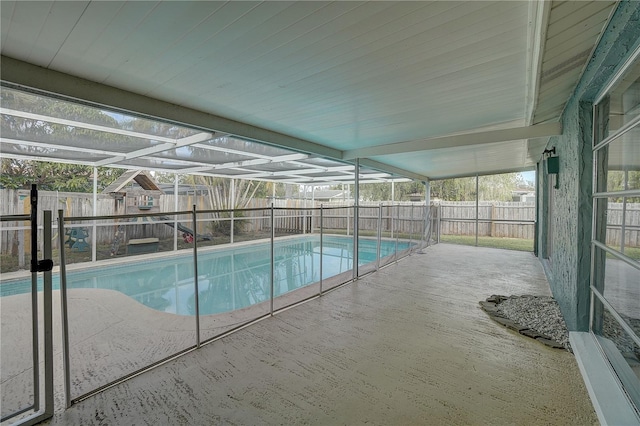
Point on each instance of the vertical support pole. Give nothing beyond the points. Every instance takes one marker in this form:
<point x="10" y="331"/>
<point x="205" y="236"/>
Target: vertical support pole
<point x="48" y="319"/>
<point x="34" y="297"/>
<point x="273" y="261"/>
<point x="477" y="206"/>
<point x="411" y="229"/>
<point x="195" y="275"/>
<point x="94" y="235"/>
<point x="232" y="206"/>
<point x="305" y="214"/>
<point x="321" y="247"/>
<point x="439" y="213"/>
<point x="348" y="220"/>
<point x="623" y="229"/>
<point x="313" y="206"/>
<point x="393" y="195"/>
<point x="175" y="209"/>
<point x="397" y="233"/>
<point x="427" y="213"/>
<point x="64" y="311"/>
<point x="356" y="217"/>
<point x="379" y="236"/>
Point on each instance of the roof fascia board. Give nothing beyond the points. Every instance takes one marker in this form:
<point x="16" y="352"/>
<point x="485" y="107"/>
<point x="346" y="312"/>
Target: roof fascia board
<point x="373" y="164"/>
<point x="539" y="12"/>
<point x="29" y="76"/>
<point x="467" y="139"/>
<point x="490" y="173"/>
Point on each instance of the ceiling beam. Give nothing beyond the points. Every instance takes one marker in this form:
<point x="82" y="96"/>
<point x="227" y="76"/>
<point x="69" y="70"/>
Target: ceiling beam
<point x="189" y="140"/>
<point x="467" y="139"/>
<point x="488" y="173"/>
<point x="539" y="12"/>
<point x="49" y="145"/>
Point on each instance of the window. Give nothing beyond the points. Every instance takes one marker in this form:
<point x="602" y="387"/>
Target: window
<point x="615" y="268"/>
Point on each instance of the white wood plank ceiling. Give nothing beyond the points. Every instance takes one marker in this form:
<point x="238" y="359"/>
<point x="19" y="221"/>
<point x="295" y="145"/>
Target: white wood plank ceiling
<point x="337" y="79"/>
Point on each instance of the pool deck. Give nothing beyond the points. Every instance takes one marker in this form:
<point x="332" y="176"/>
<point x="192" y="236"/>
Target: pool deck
<point x="406" y="345"/>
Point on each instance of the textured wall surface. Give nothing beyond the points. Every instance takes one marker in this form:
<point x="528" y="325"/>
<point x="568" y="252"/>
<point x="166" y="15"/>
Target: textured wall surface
<point x="569" y="261"/>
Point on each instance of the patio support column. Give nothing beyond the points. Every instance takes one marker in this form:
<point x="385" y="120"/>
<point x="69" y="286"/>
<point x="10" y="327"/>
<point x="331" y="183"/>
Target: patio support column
<point x="356" y="231"/>
<point x="313" y="205"/>
<point x="94" y="236"/>
<point x="175" y="209"/>
<point x="623" y="229"/>
<point x="233" y="206"/>
<point x="426" y="232"/>
<point x="477" y="206"/>
<point x="393" y="197"/>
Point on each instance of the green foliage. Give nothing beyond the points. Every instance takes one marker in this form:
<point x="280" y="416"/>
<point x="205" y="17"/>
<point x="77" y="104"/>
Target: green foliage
<point x="493" y="187"/>
<point x="20" y="174"/>
<point x="616" y="182"/>
<point x="223" y="227"/>
<point x="382" y="191"/>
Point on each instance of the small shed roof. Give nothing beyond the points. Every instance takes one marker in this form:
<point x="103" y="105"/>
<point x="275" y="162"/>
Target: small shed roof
<point x="141" y="177"/>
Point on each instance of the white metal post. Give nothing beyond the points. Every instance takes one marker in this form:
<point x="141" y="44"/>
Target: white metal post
<point x="195" y="275"/>
<point x="477" y="206"/>
<point x="94" y="236"/>
<point x="321" y="232"/>
<point x="356" y="214"/>
<point x="233" y="206"/>
<point x="273" y="260"/>
<point x="48" y="318"/>
<point x="66" y="359"/>
<point x="175" y="209"/>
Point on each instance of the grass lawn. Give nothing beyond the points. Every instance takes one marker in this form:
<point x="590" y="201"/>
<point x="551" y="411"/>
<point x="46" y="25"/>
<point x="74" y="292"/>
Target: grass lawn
<point x="493" y="242"/>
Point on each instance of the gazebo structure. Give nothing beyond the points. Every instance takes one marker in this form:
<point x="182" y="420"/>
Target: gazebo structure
<point x="351" y="92"/>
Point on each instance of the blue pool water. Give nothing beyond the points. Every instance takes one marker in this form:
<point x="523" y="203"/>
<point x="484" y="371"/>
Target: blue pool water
<point x="227" y="279"/>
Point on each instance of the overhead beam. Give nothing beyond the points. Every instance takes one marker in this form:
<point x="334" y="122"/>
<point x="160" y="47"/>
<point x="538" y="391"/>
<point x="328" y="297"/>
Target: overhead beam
<point x="189" y="140"/>
<point x="467" y="139"/>
<point x="488" y="173"/>
<point x="367" y="162"/>
<point x="82" y="125"/>
<point x="539" y="12"/>
<point x="49" y="145"/>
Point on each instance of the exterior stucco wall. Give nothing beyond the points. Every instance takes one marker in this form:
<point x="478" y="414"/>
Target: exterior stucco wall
<point x="568" y="266"/>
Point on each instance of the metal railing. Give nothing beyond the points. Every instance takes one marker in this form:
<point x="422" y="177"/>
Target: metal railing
<point x="108" y="338"/>
<point x="34" y="411"/>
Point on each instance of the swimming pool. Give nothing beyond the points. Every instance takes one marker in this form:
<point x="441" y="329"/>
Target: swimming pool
<point x="228" y="279"/>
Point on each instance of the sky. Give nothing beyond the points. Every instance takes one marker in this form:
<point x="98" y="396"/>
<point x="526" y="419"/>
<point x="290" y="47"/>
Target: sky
<point x="529" y="176"/>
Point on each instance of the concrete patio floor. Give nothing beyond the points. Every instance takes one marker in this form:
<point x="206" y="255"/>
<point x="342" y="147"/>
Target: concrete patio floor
<point x="406" y="345"/>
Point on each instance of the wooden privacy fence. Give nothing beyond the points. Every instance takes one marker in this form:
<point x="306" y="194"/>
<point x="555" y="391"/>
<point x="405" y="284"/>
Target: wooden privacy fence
<point x="291" y="216"/>
<point x="631" y="227"/>
<point x="495" y="219"/>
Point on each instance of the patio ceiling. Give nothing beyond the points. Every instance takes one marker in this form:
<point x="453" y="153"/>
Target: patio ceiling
<point x="295" y="91"/>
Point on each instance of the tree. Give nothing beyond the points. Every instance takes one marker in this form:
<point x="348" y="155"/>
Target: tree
<point x="492" y="187"/>
<point x="382" y="191"/>
<point x="20" y="174"/>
